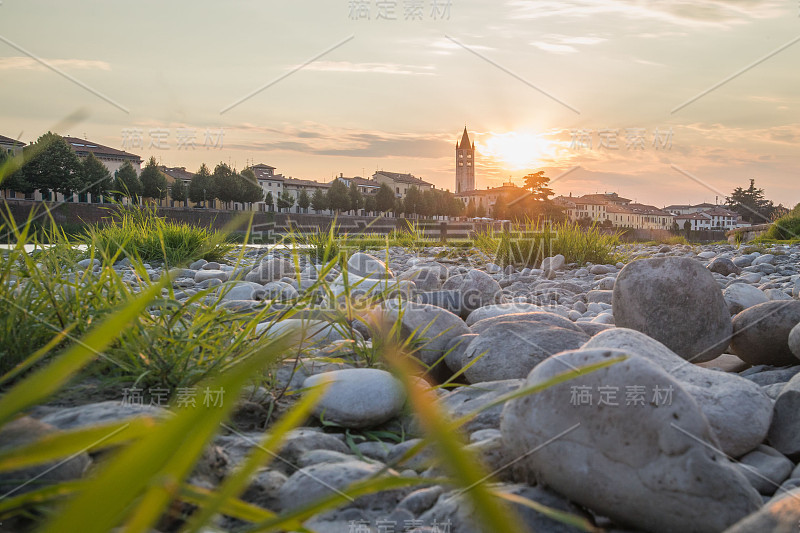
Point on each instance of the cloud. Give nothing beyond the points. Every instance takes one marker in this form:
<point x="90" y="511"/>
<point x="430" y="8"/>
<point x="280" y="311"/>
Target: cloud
<point x="374" y="68"/>
<point x="447" y="47"/>
<point x="555" y="48"/>
<point x="679" y="12"/>
<point x="319" y="139"/>
<point x="565" y="44"/>
<point x="28" y="63"/>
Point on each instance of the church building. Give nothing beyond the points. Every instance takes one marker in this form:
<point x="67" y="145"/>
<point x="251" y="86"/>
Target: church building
<point x="465" y="164"/>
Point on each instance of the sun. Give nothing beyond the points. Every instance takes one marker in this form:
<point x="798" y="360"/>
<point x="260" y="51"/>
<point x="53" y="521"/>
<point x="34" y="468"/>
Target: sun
<point x="517" y="150"/>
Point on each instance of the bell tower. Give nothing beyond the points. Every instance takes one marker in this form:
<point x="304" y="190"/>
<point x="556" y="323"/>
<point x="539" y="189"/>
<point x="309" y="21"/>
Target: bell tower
<point x="465" y="164"/>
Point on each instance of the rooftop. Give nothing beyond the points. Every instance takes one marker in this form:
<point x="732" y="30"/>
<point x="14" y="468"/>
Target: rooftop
<point x="9" y="140"/>
<point x="178" y="173"/>
<point x="403" y="178"/>
<point x="84" y="147"/>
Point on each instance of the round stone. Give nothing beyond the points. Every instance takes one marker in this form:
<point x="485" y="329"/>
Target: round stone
<point x="761" y="333"/>
<point x="675" y="301"/>
<point x="358" y="397"/>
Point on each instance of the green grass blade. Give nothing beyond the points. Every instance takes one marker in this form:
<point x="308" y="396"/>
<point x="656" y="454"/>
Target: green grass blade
<point x="45" y="382"/>
<point x="144" y="477"/>
<point x="560" y="516"/>
<point x="260" y="456"/>
<point x="63" y="444"/>
<point x="461" y="464"/>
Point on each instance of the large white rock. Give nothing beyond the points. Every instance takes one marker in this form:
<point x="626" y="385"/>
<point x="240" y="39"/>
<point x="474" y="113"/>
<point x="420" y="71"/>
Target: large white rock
<point x="649" y="465"/>
<point x="675" y="301"/>
<point x="726" y="399"/>
<point x="358" y="397"/>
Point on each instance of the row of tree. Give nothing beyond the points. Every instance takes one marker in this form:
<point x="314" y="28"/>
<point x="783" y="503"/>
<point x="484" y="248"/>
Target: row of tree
<point x="50" y="165"/>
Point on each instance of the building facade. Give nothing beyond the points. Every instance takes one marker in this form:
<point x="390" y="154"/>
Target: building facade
<point x="487" y="198"/>
<point x="400" y="183"/>
<point x="10" y="146"/>
<point x="465" y="164"/>
<point x="612" y="209"/>
<point x="112" y="158"/>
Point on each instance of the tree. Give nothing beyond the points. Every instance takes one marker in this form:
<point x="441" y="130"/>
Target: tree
<point x="154" y="182"/>
<point x="15" y="179"/>
<point x="338" y="197"/>
<point x="471" y="210"/>
<point x="356" y="200"/>
<point x="429" y="203"/>
<point x="384" y="200"/>
<point x="201" y="188"/>
<point x="51" y="165"/>
<point x="537" y="184"/>
<point x="269" y="200"/>
<point x="303" y="201"/>
<point x="751" y="204"/>
<point x="455" y="207"/>
<point x="480" y="211"/>
<point x="178" y="191"/>
<point x="413" y="200"/>
<point x="127" y="183"/>
<point x="675" y="227"/>
<point x="97" y="176"/>
<point x="370" y="205"/>
<point x="399" y="207"/>
<point x="499" y="208"/>
<point x="319" y="201"/>
<point x="248" y="190"/>
<point x="687" y="227"/>
<point x="285" y="200"/>
<point x="224" y="184"/>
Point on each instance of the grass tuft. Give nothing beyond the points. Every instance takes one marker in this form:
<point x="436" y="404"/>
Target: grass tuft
<point x="140" y="232"/>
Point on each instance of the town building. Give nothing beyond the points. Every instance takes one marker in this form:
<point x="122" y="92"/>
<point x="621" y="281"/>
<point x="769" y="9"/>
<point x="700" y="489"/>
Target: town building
<point x="617" y="211"/>
<point x="487" y="198"/>
<point x="112" y="158"/>
<point x="400" y="183"/>
<point x="465" y="164"/>
<point x="10" y="146"/>
<point x="174" y="174"/>
<point x="716" y="218"/>
<point x="686" y="209"/>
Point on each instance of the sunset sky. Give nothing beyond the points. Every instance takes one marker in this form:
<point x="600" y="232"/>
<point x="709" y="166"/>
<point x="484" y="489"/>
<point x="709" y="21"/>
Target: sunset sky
<point x="528" y="78"/>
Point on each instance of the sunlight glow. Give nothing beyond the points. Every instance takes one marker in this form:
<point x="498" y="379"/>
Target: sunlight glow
<point x="517" y="150"/>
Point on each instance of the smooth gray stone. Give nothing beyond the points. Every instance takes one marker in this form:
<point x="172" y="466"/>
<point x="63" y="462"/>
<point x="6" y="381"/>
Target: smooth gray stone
<point x="358" y="397"/>
<point x="725" y="398"/>
<point x="761" y="333"/>
<point x="675" y="301"/>
<point x="651" y="466"/>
